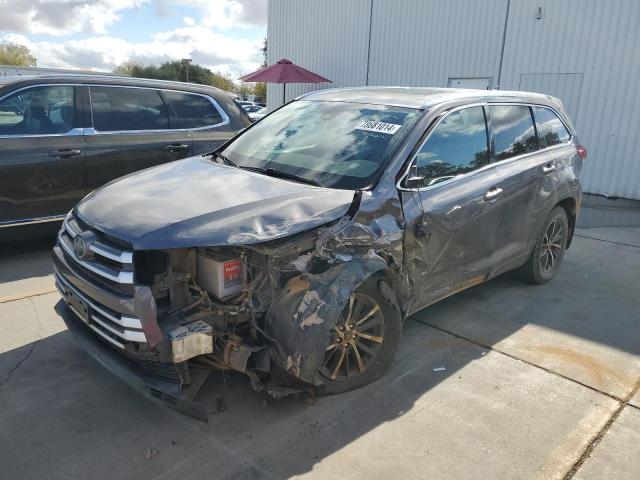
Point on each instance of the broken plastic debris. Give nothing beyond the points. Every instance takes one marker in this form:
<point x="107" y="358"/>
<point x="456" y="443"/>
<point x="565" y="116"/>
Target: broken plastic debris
<point x="152" y="452"/>
<point x="439" y="369"/>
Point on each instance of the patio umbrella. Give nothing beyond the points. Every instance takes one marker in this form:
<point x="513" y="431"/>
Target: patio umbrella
<point x="284" y="72"/>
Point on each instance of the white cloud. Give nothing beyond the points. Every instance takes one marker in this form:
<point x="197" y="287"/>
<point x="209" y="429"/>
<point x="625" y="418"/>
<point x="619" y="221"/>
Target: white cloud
<point x="207" y="48"/>
<point x="62" y="17"/>
<point x="97" y="50"/>
<point x="225" y="14"/>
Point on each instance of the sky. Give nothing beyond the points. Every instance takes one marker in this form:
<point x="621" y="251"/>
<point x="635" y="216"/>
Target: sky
<point x="223" y="35"/>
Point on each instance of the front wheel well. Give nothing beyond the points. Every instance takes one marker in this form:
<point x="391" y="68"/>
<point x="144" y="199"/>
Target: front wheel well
<point x="569" y="205"/>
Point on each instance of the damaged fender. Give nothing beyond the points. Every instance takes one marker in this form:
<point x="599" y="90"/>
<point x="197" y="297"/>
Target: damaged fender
<point x="301" y="317"/>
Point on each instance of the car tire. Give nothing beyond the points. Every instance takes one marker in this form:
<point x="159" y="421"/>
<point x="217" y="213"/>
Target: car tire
<point x="364" y="342"/>
<point x="548" y="252"/>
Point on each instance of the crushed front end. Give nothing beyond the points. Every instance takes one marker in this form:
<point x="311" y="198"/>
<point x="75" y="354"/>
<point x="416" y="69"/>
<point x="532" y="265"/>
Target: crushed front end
<point x="162" y="320"/>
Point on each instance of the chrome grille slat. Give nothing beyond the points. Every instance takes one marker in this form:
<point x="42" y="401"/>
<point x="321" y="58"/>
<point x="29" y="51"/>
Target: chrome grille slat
<point x="110" y="266"/>
<point x="128" y="335"/>
<point x="122" y="277"/>
<point x="107" y="337"/>
<point x="123" y="321"/>
<point x="101" y="318"/>
<point x="111" y="253"/>
<point x="100" y="248"/>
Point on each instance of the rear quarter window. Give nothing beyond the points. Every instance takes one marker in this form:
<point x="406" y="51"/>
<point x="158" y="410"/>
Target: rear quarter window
<point x="193" y="111"/>
<point x="551" y="130"/>
<point x="514" y="133"/>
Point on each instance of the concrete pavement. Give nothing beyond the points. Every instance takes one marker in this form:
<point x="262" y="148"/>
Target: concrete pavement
<point x="539" y="382"/>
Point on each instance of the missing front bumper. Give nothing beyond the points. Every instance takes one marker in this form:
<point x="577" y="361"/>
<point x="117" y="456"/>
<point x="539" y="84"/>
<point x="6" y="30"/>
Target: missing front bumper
<point x="170" y="392"/>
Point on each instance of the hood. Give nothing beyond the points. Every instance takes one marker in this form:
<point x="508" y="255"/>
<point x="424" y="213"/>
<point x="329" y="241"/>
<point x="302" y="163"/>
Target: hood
<point x="196" y="202"/>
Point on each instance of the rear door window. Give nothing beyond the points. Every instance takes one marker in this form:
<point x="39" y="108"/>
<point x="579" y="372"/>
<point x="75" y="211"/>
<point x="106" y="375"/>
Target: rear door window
<point x="513" y="130"/>
<point x="551" y="130"/>
<point x="128" y="109"/>
<point x="457" y="145"/>
<point x="38" y="111"/>
<point x="193" y="111"/>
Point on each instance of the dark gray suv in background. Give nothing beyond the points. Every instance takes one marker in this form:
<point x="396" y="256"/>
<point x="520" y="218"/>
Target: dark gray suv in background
<point x="63" y="136"/>
<point x="295" y="252"/>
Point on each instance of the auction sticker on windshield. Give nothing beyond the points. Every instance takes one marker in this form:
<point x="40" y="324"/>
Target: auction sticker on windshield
<point x="381" y="127"/>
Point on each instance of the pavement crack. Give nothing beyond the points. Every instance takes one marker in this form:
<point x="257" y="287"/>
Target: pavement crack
<point x="597" y="438"/>
<point x="17" y="365"/>
<point x="37" y="317"/>
<point x="33" y="345"/>
<point x="622" y="402"/>
<point x="607" y="241"/>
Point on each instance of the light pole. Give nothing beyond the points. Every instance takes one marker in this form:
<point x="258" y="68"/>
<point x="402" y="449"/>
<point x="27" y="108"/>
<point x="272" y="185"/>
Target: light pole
<point x="186" y="62"/>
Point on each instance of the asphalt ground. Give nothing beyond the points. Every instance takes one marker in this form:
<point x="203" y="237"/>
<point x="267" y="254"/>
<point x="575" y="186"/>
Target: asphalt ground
<point x="504" y="380"/>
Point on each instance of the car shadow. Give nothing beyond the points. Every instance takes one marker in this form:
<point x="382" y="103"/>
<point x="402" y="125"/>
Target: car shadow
<point x="60" y="404"/>
<point x="26" y="258"/>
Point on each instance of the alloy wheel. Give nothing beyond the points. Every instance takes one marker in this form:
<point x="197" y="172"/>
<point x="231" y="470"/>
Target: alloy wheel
<point x="356" y="339"/>
<point x="551" y="246"/>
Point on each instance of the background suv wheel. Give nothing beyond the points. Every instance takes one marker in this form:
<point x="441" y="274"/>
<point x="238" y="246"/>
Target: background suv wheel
<point x="549" y="248"/>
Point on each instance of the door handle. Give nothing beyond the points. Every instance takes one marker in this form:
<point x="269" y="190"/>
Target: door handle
<point x="174" y="147"/>
<point x="492" y="194"/>
<point x="548" y="168"/>
<point x="65" y="153"/>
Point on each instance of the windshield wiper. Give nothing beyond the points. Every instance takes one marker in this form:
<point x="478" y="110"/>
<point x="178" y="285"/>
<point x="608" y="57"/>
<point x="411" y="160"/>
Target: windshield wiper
<point x="224" y="159"/>
<point x="272" y="172"/>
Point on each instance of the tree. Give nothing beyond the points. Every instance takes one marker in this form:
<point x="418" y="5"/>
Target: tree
<point x="264" y="52"/>
<point x="245" y="89"/>
<point x="177" y="70"/>
<point x="224" y="81"/>
<point x="130" y="67"/>
<point x="260" y="90"/>
<point x="18" y="55"/>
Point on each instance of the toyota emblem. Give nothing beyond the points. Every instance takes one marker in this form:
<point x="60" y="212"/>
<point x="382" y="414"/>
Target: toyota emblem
<point x="79" y="247"/>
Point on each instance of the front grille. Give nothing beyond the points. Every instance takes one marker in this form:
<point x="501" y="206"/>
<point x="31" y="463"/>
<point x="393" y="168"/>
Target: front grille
<point x="110" y="267"/>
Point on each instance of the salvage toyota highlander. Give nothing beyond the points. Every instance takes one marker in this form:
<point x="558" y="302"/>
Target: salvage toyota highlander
<point x="294" y="252"/>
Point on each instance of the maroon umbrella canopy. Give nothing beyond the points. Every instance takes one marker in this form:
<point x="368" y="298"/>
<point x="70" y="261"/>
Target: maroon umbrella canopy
<point x="284" y="72"/>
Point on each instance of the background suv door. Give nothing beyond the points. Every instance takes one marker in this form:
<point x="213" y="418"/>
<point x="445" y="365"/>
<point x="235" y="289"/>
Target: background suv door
<point x="133" y="129"/>
<point x="451" y="219"/>
<point x="41" y="153"/>
<point x="206" y="121"/>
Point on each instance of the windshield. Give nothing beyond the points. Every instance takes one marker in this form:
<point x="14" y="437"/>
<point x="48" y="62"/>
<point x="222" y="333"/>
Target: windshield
<point x="335" y="144"/>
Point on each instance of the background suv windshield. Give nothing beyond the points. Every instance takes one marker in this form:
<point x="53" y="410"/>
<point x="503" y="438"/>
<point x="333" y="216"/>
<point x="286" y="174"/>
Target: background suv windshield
<point x="340" y="145"/>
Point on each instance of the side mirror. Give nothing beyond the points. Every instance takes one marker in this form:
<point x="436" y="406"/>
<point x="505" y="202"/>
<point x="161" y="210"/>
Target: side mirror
<point x="414" y="181"/>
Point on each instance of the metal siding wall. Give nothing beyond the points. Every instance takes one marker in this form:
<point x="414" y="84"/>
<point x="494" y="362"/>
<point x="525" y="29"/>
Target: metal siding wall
<point x="418" y="42"/>
<point x="423" y="43"/>
<point x="600" y="40"/>
<point x="328" y="37"/>
<point x="566" y="86"/>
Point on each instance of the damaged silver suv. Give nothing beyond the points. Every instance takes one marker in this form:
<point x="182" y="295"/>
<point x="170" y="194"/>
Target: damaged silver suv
<point x="294" y="252"/>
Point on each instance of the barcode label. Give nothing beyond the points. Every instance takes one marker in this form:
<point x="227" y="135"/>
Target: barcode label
<point x="381" y="127"/>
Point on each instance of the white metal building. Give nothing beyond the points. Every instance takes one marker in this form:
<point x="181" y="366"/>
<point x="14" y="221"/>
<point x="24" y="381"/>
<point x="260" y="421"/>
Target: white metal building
<point x="586" y="52"/>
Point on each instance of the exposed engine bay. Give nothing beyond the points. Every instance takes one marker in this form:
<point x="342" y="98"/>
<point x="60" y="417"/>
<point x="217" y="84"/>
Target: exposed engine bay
<point x="263" y="309"/>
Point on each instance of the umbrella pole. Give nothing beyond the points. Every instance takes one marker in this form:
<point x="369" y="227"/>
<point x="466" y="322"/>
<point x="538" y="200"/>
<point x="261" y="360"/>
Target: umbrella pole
<point x="284" y="97"/>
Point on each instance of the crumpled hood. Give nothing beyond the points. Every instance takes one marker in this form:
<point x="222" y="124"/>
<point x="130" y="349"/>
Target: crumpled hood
<point x="196" y="202"/>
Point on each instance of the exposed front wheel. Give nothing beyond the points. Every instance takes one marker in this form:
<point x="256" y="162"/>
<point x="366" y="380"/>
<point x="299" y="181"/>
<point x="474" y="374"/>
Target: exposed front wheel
<point x="549" y="248"/>
<point x="363" y="341"/>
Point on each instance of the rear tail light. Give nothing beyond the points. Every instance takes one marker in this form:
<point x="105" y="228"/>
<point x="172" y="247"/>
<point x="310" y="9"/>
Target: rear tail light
<point x="581" y="151"/>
